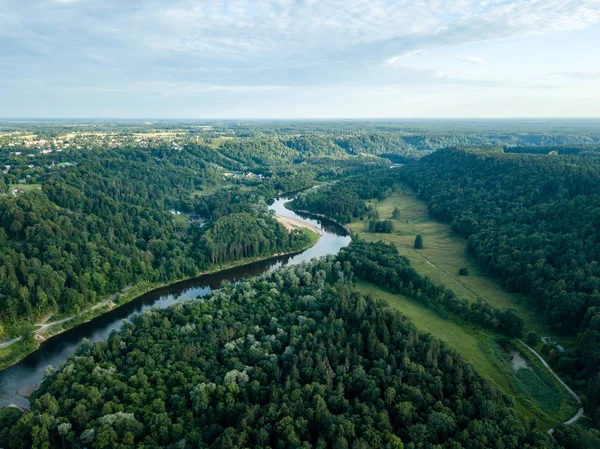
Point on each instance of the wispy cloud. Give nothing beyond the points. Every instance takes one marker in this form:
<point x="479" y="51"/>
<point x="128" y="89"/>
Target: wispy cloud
<point x="580" y="75"/>
<point x="241" y="46"/>
<point x="473" y="60"/>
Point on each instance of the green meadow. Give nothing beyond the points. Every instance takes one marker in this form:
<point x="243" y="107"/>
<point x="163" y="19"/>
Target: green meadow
<point x="442" y="256"/>
<point x="535" y="392"/>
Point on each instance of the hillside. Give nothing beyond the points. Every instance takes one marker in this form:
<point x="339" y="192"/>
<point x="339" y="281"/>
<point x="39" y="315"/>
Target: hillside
<point x="532" y="222"/>
<point x="293" y="359"/>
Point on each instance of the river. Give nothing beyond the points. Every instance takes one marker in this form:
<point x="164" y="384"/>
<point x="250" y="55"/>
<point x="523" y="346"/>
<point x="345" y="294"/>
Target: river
<point x="29" y="372"/>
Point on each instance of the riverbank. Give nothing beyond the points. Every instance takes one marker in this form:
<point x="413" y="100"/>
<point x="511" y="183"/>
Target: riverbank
<point x="321" y="216"/>
<point x="18" y="350"/>
<point x="293" y="223"/>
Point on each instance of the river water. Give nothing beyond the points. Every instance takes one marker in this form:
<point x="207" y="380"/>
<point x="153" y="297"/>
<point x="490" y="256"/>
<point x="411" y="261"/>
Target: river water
<point x="28" y="373"/>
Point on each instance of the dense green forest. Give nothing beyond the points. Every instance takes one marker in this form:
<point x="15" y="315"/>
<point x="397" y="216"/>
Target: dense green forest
<point x="103" y="223"/>
<point x="400" y="139"/>
<point x="381" y="264"/>
<point x="532" y="221"/>
<point x="293" y="358"/>
<point x="345" y="200"/>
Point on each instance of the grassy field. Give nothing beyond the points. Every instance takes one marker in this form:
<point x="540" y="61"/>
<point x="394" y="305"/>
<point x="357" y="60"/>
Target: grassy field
<point x="444" y="253"/>
<point x="26" y="187"/>
<point x="13" y="353"/>
<point x="214" y="189"/>
<point x="536" y="394"/>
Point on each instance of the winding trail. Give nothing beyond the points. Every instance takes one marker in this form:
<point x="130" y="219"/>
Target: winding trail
<point x="445" y="273"/>
<point x="579" y="413"/>
<point x="45" y="327"/>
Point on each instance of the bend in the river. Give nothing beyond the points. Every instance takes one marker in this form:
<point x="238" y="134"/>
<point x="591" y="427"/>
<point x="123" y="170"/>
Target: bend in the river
<point x="27" y="374"/>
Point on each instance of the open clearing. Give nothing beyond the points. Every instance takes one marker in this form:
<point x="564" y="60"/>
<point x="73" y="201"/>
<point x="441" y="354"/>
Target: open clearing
<point x="26" y="187"/>
<point x="536" y="394"/>
<point x="444" y="253"/>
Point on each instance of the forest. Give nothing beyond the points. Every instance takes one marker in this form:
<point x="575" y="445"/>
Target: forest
<point x="381" y="264"/>
<point x="345" y="199"/>
<point x="104" y="223"/>
<point x="292" y="358"/>
<point x="532" y="222"/>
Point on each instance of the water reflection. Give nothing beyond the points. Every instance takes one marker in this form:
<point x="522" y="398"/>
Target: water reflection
<point x="30" y="370"/>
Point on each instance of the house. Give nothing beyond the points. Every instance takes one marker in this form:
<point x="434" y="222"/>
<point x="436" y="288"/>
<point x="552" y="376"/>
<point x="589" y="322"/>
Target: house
<point x="174" y="212"/>
<point x="196" y="219"/>
<point x="549" y="341"/>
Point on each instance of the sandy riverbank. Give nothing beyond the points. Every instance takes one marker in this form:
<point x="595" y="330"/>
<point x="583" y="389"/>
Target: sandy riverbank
<point x="293" y="223"/>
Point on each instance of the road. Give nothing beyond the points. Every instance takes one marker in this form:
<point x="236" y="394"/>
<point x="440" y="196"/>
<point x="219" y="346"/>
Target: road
<point x="45" y="327"/>
<point x="579" y="413"/>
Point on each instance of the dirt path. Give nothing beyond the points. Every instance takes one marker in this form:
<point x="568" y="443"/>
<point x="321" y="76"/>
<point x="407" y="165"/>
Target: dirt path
<point x="579" y="413"/>
<point x="456" y="281"/>
<point x="44" y="327"/>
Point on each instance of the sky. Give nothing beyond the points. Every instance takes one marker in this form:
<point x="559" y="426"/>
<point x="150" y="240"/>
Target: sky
<point x="299" y="58"/>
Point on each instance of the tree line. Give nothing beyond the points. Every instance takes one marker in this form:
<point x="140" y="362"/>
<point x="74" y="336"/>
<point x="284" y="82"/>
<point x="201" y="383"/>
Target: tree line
<point x="104" y="223"/>
<point x="381" y="264"/>
<point x="345" y="200"/>
<point x="291" y="359"/>
<point x="532" y="222"/>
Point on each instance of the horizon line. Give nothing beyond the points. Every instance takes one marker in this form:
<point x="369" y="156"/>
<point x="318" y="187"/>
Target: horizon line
<point x="296" y="118"/>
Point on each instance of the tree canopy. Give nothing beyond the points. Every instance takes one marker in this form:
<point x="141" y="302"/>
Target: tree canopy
<point x="293" y="358"/>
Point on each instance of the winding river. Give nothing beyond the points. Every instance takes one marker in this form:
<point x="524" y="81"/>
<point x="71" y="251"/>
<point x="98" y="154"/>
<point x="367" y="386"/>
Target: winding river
<point x="28" y="373"/>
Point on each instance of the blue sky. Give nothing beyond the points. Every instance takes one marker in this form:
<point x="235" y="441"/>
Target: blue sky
<point x="299" y="58"/>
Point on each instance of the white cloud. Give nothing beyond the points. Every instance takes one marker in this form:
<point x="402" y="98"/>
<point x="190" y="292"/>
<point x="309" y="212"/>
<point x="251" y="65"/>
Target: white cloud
<point x="580" y="75"/>
<point x="402" y="57"/>
<point x="170" y="88"/>
<point x="474" y="60"/>
<point x="245" y="46"/>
